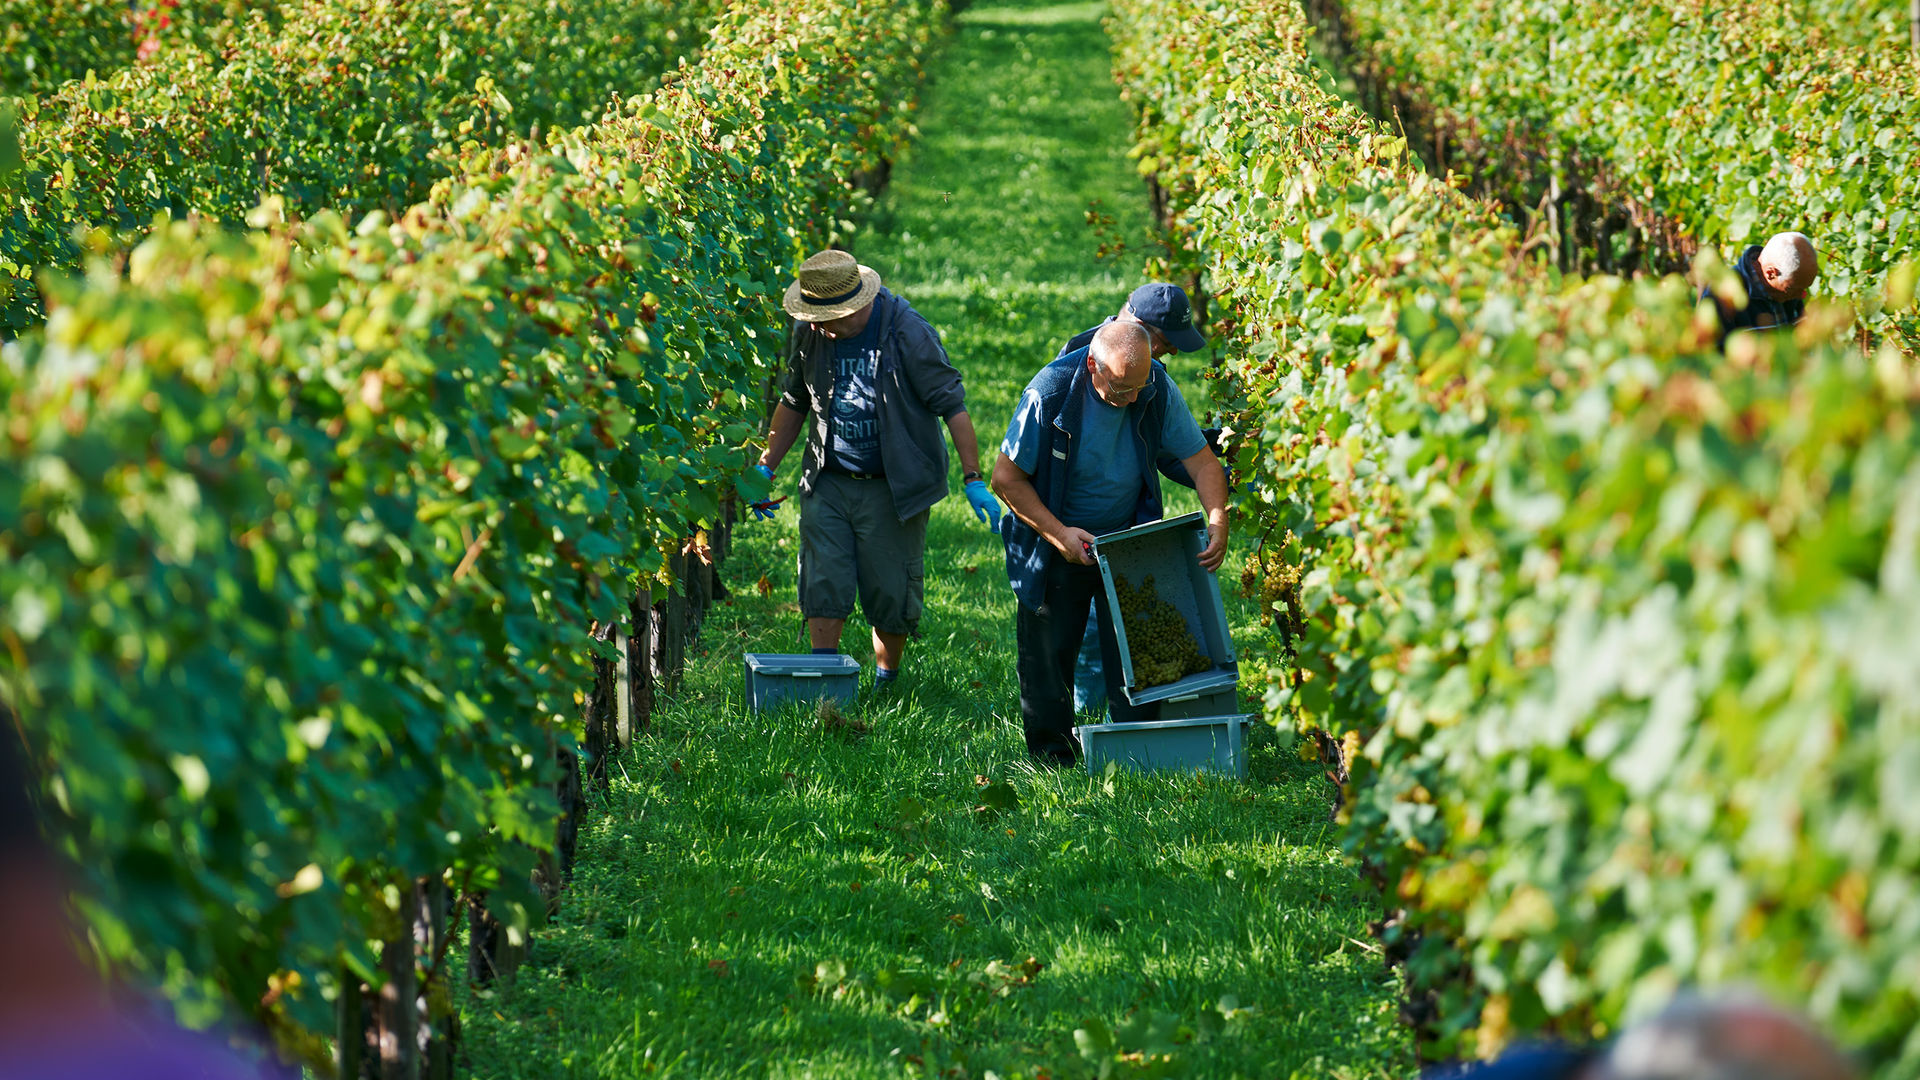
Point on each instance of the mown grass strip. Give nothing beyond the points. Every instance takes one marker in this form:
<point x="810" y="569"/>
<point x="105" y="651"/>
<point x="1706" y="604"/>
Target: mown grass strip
<point x="1620" y="626"/>
<point x="784" y="896"/>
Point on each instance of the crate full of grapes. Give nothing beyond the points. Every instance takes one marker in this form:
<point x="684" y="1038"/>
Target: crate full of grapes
<point x="1168" y="613"/>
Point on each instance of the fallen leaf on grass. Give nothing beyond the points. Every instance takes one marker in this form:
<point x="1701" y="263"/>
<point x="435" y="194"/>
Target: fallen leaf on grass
<point x="719" y="968"/>
<point x="997" y="799"/>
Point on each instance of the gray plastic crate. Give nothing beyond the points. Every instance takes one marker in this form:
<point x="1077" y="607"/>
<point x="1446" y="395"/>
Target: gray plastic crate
<point x="776" y="678"/>
<point x="1215" y="693"/>
<point x="1169" y="551"/>
<point x="1215" y="744"/>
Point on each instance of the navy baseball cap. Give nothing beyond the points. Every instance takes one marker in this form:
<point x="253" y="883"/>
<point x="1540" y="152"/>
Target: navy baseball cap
<point x="1164" y="307"/>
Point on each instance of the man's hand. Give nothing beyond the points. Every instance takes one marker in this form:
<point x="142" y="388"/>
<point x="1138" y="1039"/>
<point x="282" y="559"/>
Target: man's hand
<point x="1215" y="552"/>
<point x="1077" y="545"/>
<point x="985" y="506"/>
<point x="764" y="509"/>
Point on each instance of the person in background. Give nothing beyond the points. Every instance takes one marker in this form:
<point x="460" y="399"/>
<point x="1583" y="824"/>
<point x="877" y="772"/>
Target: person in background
<point x="873" y="380"/>
<point x="1078" y="461"/>
<point x="1163" y="309"/>
<point x="58" y="1021"/>
<point x="1738" y="1036"/>
<point x="1776" y="277"/>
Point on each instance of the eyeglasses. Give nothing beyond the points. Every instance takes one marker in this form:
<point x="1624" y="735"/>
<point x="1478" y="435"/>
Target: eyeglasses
<point x="1113" y="388"/>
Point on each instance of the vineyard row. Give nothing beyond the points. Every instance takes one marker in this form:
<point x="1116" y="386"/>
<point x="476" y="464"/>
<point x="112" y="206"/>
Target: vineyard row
<point x="314" y="535"/>
<point x="1618" y="629"/>
<point x="325" y="106"/>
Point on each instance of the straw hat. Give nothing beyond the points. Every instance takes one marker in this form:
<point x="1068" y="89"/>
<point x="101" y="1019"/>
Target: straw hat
<point x="832" y="285"/>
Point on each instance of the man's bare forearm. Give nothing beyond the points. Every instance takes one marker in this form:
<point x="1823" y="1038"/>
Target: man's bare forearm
<point x="1209" y="483"/>
<point x="1016" y="489"/>
<point x="966" y="443"/>
<point x="786" y="430"/>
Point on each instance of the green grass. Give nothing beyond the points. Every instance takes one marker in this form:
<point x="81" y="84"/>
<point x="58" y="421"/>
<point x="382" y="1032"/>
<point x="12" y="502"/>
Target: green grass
<point x="781" y="896"/>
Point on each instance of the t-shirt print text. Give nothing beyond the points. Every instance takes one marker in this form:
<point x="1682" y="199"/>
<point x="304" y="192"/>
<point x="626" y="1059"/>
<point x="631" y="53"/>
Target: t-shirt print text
<point x="856" y="412"/>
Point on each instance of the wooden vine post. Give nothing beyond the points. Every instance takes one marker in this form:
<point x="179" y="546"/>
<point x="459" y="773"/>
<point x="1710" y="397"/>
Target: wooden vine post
<point x="406" y="1028"/>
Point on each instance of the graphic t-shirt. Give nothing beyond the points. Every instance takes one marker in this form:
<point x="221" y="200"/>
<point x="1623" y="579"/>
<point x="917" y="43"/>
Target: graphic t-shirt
<point x="855" y="419"/>
<point x="1103" y="486"/>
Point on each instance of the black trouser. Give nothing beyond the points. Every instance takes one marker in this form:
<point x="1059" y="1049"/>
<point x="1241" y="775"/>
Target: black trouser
<point x="1049" y="641"/>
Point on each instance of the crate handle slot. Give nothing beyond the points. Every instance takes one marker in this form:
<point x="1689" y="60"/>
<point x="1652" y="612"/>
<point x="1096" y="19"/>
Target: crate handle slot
<point x="808" y="674"/>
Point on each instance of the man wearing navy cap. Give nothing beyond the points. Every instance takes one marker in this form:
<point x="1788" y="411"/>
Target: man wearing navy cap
<point x="1080" y="460"/>
<point x="1161" y="308"/>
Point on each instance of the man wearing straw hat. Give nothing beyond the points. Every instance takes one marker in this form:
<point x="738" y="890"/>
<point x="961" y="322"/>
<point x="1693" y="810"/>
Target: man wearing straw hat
<point x="872" y="377"/>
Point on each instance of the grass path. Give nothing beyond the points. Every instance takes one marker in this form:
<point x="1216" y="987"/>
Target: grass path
<point x="774" y="896"/>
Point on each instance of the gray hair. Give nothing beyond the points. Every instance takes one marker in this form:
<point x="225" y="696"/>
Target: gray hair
<point x="1738" y="1036"/>
<point x="1792" y="254"/>
<point x="1120" y="342"/>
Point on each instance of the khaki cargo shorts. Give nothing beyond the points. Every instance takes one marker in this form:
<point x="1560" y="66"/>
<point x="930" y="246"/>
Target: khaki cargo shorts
<point x="852" y="544"/>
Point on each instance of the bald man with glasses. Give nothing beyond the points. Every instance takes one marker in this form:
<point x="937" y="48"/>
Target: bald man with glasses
<point x="1164" y="310"/>
<point x="1079" y="461"/>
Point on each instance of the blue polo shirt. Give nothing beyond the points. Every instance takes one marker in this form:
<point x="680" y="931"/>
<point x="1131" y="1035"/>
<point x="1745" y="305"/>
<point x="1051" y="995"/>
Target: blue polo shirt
<point x="1103" y="485"/>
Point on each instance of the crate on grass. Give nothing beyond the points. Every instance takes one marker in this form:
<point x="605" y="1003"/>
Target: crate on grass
<point x="1168" y="551"/>
<point x="776" y="678"/>
<point x="1215" y="744"/>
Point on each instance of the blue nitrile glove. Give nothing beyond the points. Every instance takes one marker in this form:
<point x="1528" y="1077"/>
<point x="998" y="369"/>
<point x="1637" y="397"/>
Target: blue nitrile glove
<point x="985" y="506"/>
<point x="765" y="508"/>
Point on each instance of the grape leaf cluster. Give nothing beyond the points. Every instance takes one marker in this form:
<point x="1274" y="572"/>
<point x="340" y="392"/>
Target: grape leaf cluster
<point x="1158" y="639"/>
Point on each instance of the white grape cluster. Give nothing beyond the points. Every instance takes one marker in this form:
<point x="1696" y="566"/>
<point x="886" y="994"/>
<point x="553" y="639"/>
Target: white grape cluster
<point x="1158" y="640"/>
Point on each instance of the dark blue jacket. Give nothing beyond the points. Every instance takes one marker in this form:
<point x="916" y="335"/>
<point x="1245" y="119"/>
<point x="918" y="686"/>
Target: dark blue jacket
<point x="1082" y="339"/>
<point x="1762" y="312"/>
<point x="1062" y="387"/>
<point x="1543" y="1062"/>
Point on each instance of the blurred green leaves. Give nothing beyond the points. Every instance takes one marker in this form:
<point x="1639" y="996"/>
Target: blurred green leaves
<point x="10" y="159"/>
<point x="1717" y="127"/>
